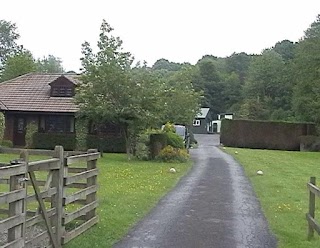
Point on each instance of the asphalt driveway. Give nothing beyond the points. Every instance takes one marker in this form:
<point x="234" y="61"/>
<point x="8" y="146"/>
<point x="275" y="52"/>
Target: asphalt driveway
<point x="213" y="206"/>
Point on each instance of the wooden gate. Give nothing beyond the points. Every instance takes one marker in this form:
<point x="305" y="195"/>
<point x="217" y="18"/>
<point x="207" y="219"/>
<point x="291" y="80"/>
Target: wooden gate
<point x="33" y="208"/>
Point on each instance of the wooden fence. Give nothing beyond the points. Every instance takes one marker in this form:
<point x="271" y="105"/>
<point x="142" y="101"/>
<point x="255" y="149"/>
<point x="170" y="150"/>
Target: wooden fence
<point x="49" y="202"/>
<point x="314" y="192"/>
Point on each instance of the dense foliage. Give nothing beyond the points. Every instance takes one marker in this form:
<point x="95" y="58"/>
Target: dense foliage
<point x="172" y="154"/>
<point x="134" y="98"/>
<point x="50" y="140"/>
<point x="281" y="83"/>
<point x="15" y="60"/>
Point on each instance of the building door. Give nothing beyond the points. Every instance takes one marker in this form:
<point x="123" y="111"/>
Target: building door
<point x="215" y="128"/>
<point x="19" y="132"/>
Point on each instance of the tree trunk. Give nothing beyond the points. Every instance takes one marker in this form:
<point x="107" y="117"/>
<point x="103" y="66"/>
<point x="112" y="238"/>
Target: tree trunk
<point x="126" y="135"/>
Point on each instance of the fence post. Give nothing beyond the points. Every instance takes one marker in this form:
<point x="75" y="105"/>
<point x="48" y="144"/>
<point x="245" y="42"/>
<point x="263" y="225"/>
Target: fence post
<point x="24" y="155"/>
<point x="312" y="205"/>
<point x="57" y="200"/>
<point x="18" y="207"/>
<point x="90" y="182"/>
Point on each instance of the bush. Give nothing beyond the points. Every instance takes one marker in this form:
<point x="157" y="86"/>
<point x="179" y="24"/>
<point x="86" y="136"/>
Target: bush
<point x="7" y="143"/>
<point x="264" y="134"/>
<point x="310" y="143"/>
<point x="50" y="140"/>
<point x="142" y="151"/>
<point x="169" y="127"/>
<point x="157" y="142"/>
<point x="2" y="125"/>
<point x="106" y="144"/>
<point x="174" y="140"/>
<point x="171" y="154"/>
<point x="32" y="128"/>
<point x="192" y="138"/>
<point x="81" y="127"/>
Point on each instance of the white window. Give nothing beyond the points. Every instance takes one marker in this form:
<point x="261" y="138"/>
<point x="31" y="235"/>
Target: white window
<point x="196" y="123"/>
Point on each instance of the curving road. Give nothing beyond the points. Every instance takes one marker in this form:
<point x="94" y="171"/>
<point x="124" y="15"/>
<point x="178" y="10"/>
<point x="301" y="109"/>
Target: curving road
<point x="213" y="206"/>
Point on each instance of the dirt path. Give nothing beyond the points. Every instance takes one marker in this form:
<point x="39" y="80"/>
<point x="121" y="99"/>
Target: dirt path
<point x="214" y="206"/>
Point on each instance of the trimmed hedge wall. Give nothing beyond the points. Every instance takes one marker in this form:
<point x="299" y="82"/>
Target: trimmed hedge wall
<point x="264" y="134"/>
<point x="157" y="142"/>
<point x="310" y="143"/>
<point x="107" y="144"/>
<point x="50" y="140"/>
<point x="68" y="141"/>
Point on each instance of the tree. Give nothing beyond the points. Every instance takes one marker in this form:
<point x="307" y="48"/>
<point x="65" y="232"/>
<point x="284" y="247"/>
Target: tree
<point x="8" y="41"/>
<point x="232" y="91"/>
<point x="314" y="30"/>
<point x="286" y="49"/>
<point x="209" y="81"/>
<point x="306" y="98"/>
<point x="17" y="65"/>
<point x="239" y="63"/>
<point x="181" y="102"/>
<point x="112" y="91"/>
<point x="164" y="64"/>
<point x="267" y="84"/>
<point x="50" y="64"/>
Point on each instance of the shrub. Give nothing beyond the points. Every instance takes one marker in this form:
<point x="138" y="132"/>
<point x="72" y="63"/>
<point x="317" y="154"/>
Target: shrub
<point x="171" y="154"/>
<point x="81" y="127"/>
<point x="157" y="142"/>
<point x="6" y="143"/>
<point x="310" y="143"/>
<point x="174" y="140"/>
<point x="32" y="128"/>
<point x="142" y="151"/>
<point x="270" y="135"/>
<point x="50" y="140"/>
<point x="106" y="144"/>
<point x="192" y="138"/>
<point x="2" y="125"/>
<point x="169" y="127"/>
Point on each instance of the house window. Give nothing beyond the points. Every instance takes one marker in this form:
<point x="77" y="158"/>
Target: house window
<point x="63" y="91"/>
<point x="59" y="124"/>
<point x="196" y="123"/>
<point x="105" y="129"/>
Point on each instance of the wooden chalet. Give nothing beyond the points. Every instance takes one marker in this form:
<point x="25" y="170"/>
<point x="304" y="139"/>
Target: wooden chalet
<point x="45" y="99"/>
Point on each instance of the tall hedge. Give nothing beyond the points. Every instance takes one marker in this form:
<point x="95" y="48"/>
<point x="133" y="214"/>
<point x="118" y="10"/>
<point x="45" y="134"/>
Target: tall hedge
<point x="31" y="129"/>
<point x="157" y="142"/>
<point x="50" y="140"/>
<point x="264" y="134"/>
<point x="81" y="127"/>
<point x="2" y="125"/>
<point x="107" y="144"/>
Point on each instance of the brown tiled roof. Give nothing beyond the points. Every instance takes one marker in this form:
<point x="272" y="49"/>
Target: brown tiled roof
<point x="31" y="92"/>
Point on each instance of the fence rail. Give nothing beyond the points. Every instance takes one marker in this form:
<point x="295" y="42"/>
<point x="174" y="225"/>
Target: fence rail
<point x="77" y="169"/>
<point x="56" y="194"/>
<point x="14" y="224"/>
<point x="314" y="192"/>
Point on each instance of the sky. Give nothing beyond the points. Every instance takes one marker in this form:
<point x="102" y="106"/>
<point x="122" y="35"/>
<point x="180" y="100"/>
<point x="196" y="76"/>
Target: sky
<point x="177" y="30"/>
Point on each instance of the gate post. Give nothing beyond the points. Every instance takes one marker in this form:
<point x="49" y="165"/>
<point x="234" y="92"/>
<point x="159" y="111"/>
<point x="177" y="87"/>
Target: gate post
<point x="24" y="155"/>
<point x="90" y="182"/>
<point x="312" y="206"/>
<point x="18" y="207"/>
<point x="57" y="200"/>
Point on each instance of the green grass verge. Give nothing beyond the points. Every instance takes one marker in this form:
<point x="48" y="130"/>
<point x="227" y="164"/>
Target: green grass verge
<point x="282" y="191"/>
<point x="127" y="191"/>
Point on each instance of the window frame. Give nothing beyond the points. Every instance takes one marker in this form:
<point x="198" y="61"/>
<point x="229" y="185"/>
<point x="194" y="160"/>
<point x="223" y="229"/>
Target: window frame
<point x="196" y="123"/>
<point x="58" y="123"/>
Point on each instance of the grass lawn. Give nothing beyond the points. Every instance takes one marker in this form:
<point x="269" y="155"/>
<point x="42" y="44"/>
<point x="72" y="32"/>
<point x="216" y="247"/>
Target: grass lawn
<point x="127" y="191"/>
<point x="282" y="191"/>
